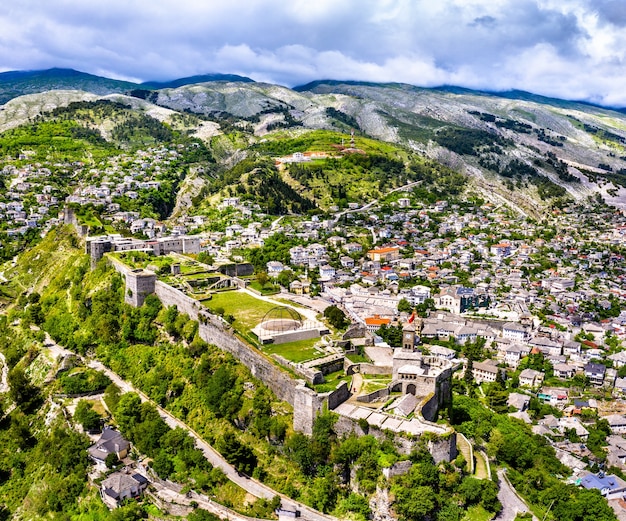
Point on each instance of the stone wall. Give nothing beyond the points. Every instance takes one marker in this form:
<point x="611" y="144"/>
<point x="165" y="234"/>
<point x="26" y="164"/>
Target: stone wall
<point x="306" y="406"/>
<point x="442" y="448"/>
<point x="366" y="368"/>
<point x="312" y="375"/>
<point x="214" y="330"/>
<point x="338" y="396"/>
<point x="331" y="367"/>
<point x="373" y="396"/>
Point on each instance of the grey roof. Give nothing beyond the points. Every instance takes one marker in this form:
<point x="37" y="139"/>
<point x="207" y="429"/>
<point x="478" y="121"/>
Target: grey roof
<point x="110" y="442"/>
<point x="407" y="404"/>
<point x="119" y="482"/>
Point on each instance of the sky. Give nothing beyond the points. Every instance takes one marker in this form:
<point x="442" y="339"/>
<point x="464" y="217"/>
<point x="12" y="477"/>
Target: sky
<point x="570" y="49"/>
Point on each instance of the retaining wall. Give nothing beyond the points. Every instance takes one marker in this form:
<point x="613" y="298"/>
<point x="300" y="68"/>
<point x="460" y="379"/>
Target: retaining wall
<point x="373" y="396"/>
<point x="442" y="448"/>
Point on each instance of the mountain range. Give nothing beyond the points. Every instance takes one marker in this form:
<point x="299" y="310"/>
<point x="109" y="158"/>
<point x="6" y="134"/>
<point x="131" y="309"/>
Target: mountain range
<point x="521" y="148"/>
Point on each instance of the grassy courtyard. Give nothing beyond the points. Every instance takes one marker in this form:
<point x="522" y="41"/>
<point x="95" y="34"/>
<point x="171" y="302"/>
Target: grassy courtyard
<point x="298" y="351"/>
<point x="248" y="311"/>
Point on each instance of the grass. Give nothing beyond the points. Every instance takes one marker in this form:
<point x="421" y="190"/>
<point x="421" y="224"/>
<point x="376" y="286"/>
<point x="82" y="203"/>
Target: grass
<point x="247" y="310"/>
<point x="357" y="358"/>
<point x="481" y="466"/>
<point x="268" y="289"/>
<point x="298" y="351"/>
<point x="332" y="381"/>
<point x="374" y="384"/>
<point x="477" y="513"/>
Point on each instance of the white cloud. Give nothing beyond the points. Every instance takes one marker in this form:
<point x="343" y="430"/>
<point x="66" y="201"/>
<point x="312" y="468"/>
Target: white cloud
<point x="574" y="49"/>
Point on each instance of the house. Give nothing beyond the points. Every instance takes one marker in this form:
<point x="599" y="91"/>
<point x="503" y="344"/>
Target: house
<point x="513" y="355"/>
<point x="564" y="370"/>
<point x="389" y="254"/>
<point x="595" y="373"/>
<point x="618" y="359"/>
<point x="120" y="486"/>
<point x="568" y="424"/>
<point x="274" y="268"/>
<point x="110" y="442"/>
<point x="300" y="287"/>
<point x="374" y="323"/>
<point x="620" y="386"/>
<point x="514" y="331"/>
<point x="610" y="486"/>
<point x="485" y="372"/>
<point x="616" y="450"/>
<point x="617" y="422"/>
<point x="519" y="401"/>
<point x="442" y="352"/>
<point x="458" y="299"/>
<point x="327" y="272"/>
<point x="346" y="262"/>
<point x="530" y="378"/>
<point x="352" y="247"/>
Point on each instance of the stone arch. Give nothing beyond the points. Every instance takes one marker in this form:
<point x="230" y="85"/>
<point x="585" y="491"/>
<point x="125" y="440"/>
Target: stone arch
<point x="411" y="389"/>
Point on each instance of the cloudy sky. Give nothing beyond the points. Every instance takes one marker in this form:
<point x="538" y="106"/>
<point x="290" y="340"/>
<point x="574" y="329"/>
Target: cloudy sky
<point x="572" y="49"/>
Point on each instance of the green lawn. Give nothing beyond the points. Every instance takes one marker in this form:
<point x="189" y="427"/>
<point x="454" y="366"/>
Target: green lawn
<point x="373" y="383"/>
<point x="332" y="381"/>
<point x="477" y="513"/>
<point x="298" y="351"/>
<point x="248" y="311"/>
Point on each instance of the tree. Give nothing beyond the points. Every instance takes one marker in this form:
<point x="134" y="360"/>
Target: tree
<point x="111" y="461"/>
<point x="336" y="317"/>
<point x="262" y="278"/>
<point x="236" y="453"/>
<point x="128" y="412"/>
<point x="86" y="416"/>
<point x="415" y="503"/>
<point x="21" y="391"/>
<point x="404" y="306"/>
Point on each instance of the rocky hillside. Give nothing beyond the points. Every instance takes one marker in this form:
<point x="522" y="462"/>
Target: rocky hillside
<point x="528" y="150"/>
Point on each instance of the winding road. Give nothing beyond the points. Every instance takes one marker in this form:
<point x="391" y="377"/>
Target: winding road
<point x="250" y="485"/>
<point x="512" y="503"/>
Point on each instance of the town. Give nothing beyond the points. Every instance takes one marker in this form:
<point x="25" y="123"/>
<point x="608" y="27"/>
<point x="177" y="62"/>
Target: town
<point x="484" y="293"/>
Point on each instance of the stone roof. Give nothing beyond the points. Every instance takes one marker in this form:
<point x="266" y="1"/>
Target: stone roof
<point x="406" y="405"/>
<point x="110" y="442"/>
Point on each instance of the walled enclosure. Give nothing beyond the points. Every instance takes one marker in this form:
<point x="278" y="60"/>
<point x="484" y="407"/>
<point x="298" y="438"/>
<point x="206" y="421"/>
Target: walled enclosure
<point x="307" y="404"/>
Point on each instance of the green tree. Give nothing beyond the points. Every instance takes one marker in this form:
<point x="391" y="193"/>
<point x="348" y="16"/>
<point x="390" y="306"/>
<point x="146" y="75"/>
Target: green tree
<point x="404" y="306"/>
<point x="336" y="317"/>
<point x="236" y="453"/>
<point x="86" y="416"/>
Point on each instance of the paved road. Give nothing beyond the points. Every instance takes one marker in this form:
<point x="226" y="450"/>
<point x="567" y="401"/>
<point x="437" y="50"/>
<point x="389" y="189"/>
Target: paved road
<point x="374" y="201"/>
<point x="511" y="502"/>
<point x="250" y="485"/>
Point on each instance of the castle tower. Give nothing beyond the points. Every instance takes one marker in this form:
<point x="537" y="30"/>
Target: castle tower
<point x="139" y="284"/>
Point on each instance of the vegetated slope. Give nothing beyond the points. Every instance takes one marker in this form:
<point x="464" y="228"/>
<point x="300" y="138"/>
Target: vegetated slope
<point x="530" y="150"/>
<point x="460" y="127"/>
<point x="201" y="78"/>
<point x="567" y="149"/>
<point x="19" y="83"/>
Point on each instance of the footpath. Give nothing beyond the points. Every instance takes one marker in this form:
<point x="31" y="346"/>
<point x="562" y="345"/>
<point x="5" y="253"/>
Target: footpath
<point x="250" y="485"/>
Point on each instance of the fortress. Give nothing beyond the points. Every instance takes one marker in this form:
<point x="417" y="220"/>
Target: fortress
<point x="427" y="378"/>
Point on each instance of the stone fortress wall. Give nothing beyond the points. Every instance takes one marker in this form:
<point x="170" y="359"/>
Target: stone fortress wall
<point x="307" y="403"/>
